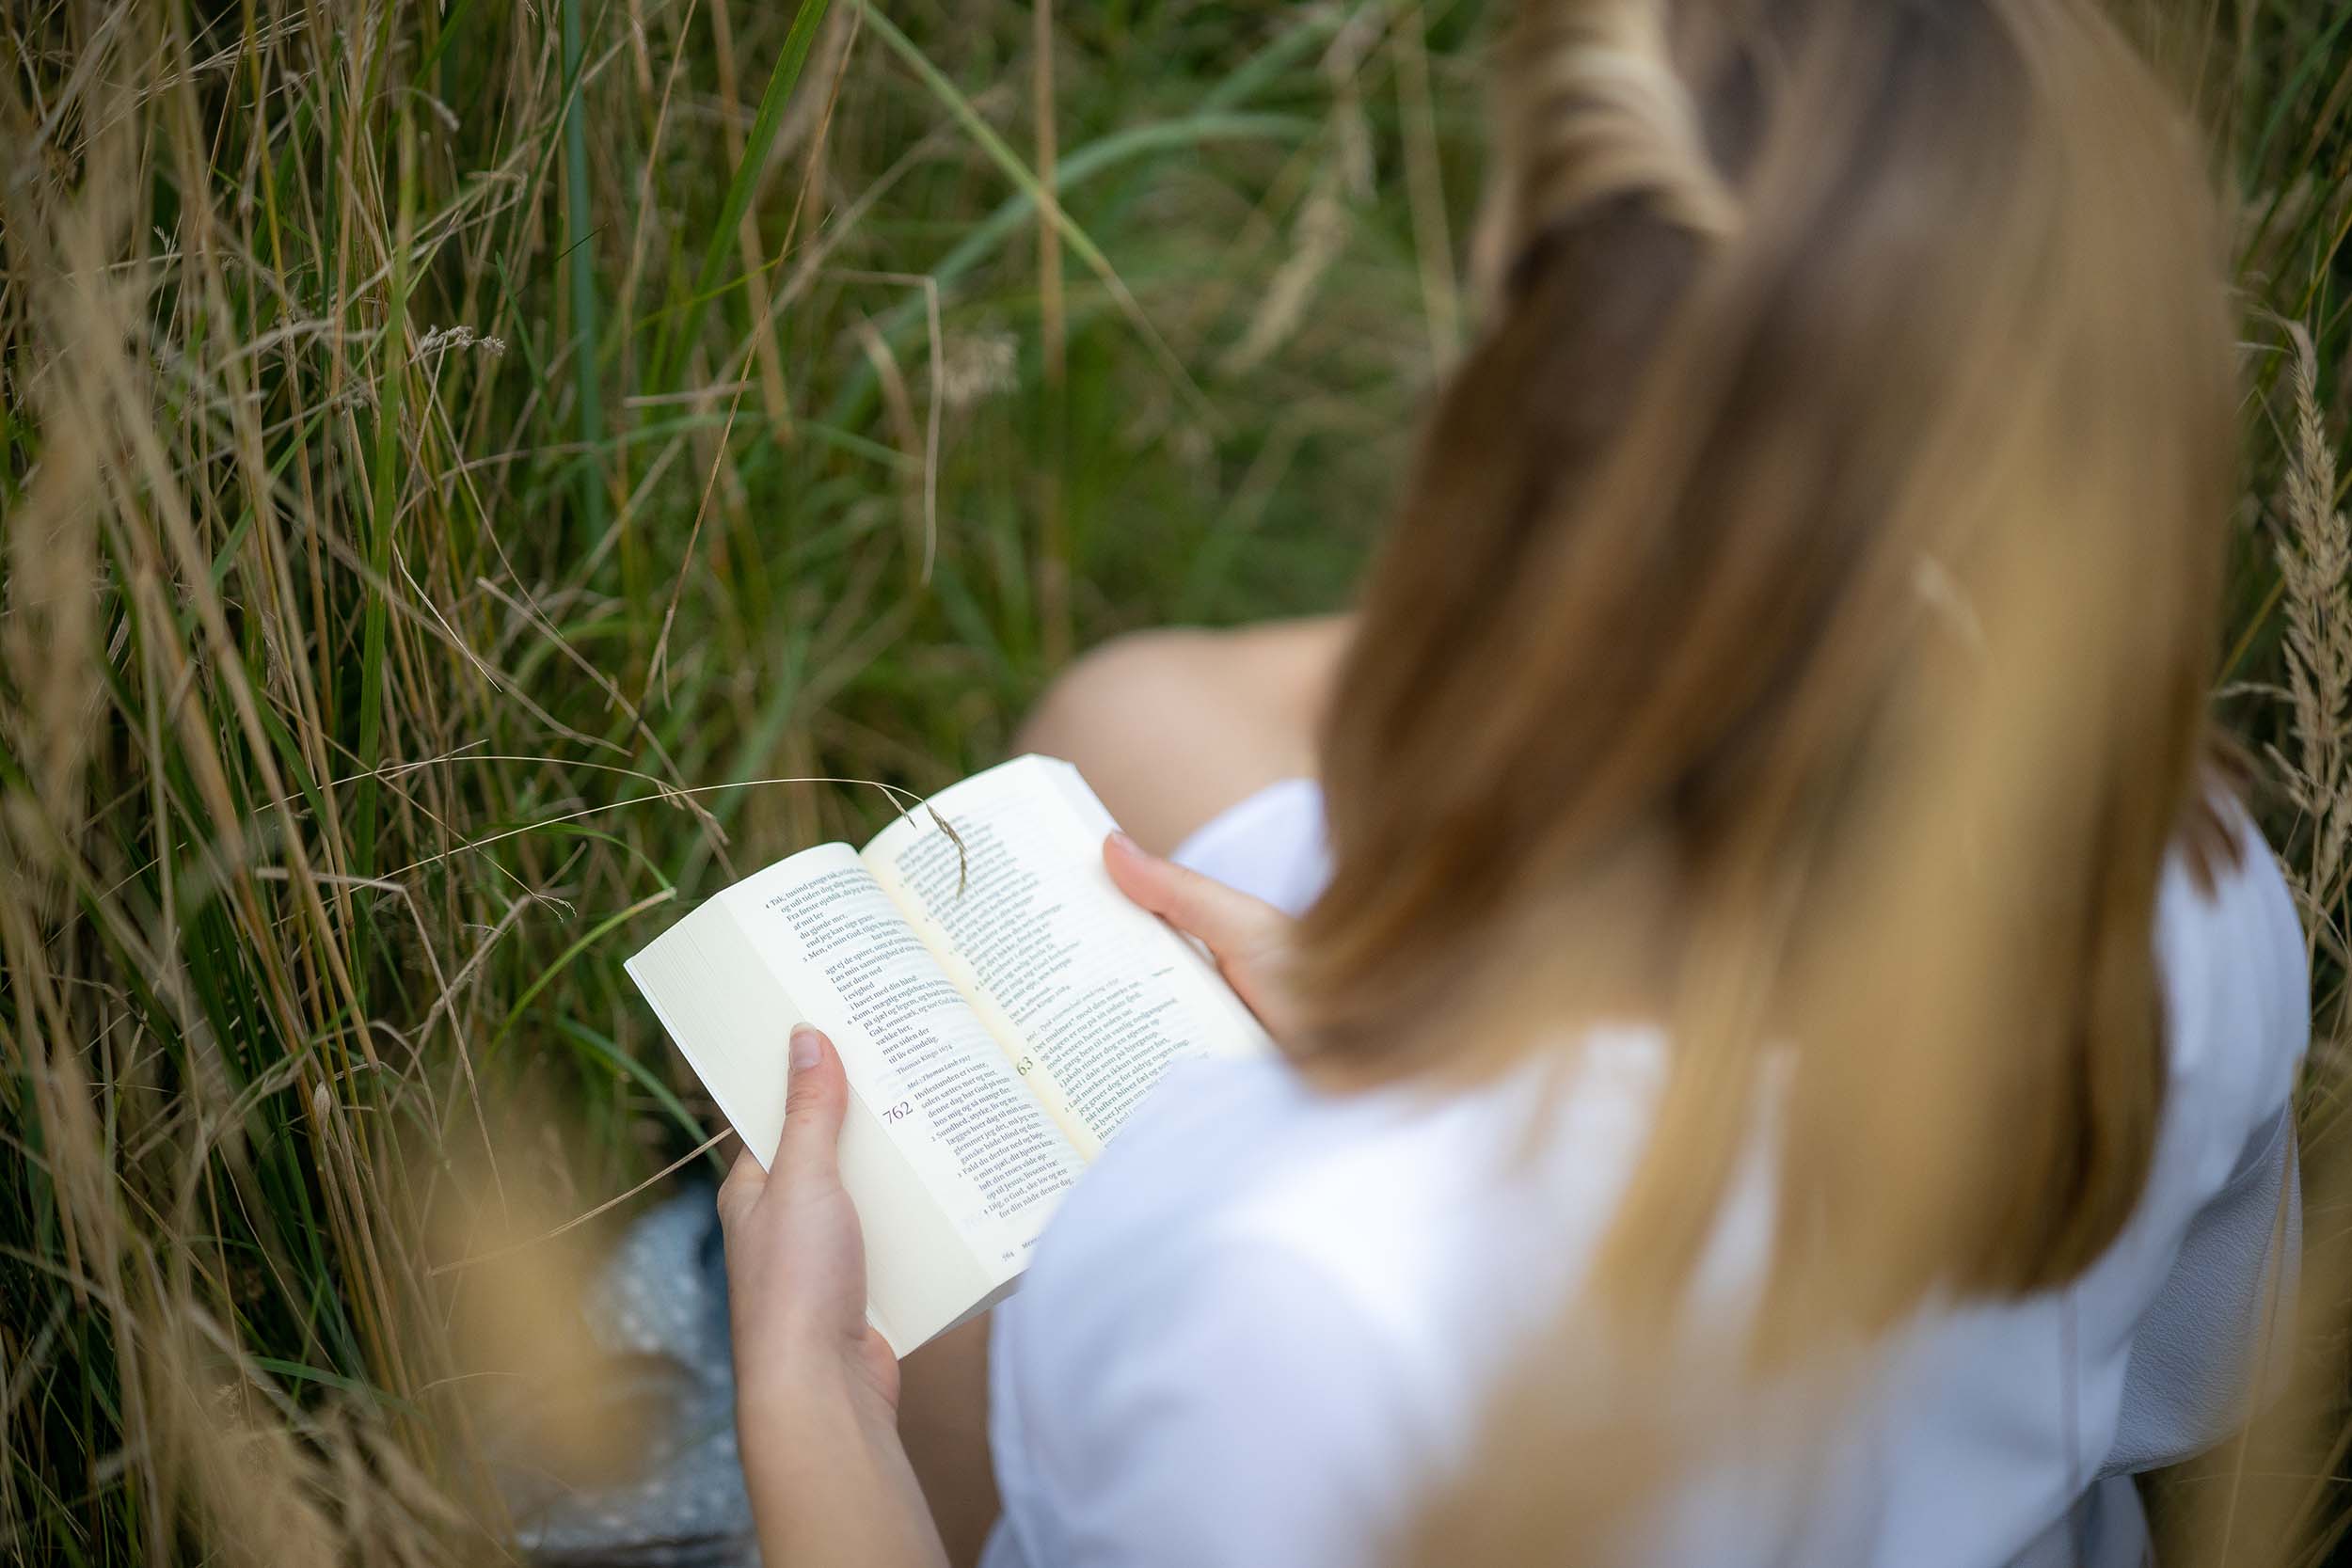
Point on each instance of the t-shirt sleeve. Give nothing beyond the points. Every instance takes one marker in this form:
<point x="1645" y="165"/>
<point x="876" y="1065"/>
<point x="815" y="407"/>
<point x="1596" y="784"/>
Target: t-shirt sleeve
<point x="2215" y="1333"/>
<point x="2237" y="1000"/>
<point x="1224" y="1417"/>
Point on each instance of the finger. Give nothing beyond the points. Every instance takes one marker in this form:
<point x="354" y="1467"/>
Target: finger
<point x="815" y="1097"/>
<point x="741" y="1189"/>
<point x="1229" y="922"/>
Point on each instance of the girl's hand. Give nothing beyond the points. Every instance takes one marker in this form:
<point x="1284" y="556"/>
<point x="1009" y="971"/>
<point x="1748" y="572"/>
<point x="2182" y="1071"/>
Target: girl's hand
<point x="1249" y="939"/>
<point x="796" y="1259"/>
<point x="816" y="1389"/>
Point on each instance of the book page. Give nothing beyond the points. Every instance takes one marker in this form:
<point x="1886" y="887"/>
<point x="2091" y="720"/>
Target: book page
<point x="726" y="1004"/>
<point x="916" y="1053"/>
<point x="1094" y="998"/>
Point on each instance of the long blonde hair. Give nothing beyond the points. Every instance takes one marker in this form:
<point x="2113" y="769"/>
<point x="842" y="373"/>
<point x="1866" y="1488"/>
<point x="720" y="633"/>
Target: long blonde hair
<point x="1799" y="624"/>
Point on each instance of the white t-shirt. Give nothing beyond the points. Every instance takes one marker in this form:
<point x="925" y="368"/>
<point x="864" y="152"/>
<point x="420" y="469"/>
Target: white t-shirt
<point x="1269" y="1316"/>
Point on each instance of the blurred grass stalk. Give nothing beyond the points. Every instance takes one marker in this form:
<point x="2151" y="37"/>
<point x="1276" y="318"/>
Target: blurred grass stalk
<point x="427" y="446"/>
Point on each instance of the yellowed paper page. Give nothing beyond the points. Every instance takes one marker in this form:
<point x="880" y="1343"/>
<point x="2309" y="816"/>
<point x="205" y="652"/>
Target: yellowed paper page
<point x="1093" y="998"/>
<point x="952" y="1165"/>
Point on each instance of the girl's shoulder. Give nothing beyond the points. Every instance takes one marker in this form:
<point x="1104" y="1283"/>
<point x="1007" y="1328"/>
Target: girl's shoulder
<point x="1255" y="1269"/>
<point x="1326" y="1273"/>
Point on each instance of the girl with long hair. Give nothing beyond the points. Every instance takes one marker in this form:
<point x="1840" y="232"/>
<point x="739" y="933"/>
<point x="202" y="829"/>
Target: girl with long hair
<point x="1787" y="1025"/>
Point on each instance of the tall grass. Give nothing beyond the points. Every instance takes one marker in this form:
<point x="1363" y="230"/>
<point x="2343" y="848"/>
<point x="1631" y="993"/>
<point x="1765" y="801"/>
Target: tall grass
<point x="450" y="454"/>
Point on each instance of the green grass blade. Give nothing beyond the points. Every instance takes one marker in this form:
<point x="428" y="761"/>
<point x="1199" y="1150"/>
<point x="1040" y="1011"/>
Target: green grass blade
<point x="587" y="393"/>
<point x="1080" y="242"/>
<point x="772" y="101"/>
<point x="605" y="1050"/>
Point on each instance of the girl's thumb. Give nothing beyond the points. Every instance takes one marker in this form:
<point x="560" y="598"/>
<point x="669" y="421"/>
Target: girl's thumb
<point x="815" y="1097"/>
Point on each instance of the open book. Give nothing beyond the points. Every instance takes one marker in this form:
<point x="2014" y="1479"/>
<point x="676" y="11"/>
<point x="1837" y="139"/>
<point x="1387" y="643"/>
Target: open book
<point x="998" y="1003"/>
